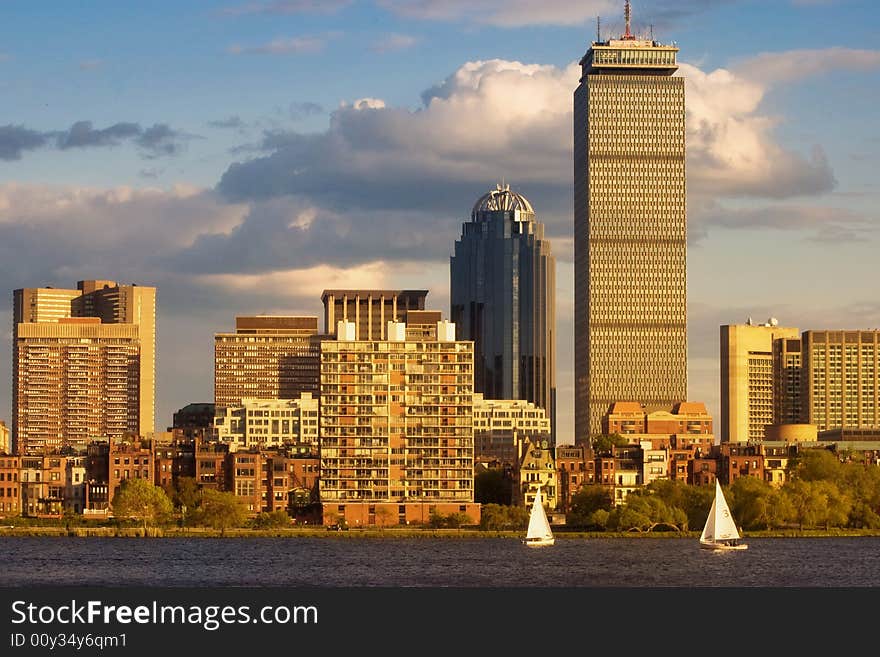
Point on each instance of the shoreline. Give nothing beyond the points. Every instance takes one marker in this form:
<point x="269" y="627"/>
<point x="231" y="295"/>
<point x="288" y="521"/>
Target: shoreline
<point x="387" y="533"/>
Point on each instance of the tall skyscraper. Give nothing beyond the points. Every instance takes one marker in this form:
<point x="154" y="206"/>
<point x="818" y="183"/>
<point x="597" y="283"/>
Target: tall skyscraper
<point x="268" y="357"/>
<point x="83" y="363"/>
<point x="630" y="229"/>
<point x="750" y="379"/>
<point x="370" y="310"/>
<point x="503" y="298"/>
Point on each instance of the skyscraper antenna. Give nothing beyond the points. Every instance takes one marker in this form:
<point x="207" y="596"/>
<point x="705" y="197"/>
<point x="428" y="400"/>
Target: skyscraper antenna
<point x="627" y="13"/>
<point x="652" y="31"/>
<point x="598" y="30"/>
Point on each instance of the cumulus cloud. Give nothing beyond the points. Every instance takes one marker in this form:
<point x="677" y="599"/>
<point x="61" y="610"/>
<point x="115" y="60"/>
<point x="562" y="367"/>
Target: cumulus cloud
<point x="64" y="231"/>
<point x="231" y="123"/>
<point x="504" y="119"/>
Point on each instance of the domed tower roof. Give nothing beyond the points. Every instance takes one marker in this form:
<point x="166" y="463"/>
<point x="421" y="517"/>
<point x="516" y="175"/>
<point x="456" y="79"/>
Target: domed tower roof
<point x="501" y="199"/>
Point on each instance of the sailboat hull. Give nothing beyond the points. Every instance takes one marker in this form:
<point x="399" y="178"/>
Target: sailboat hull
<point x="539" y="542"/>
<point x="722" y="547"/>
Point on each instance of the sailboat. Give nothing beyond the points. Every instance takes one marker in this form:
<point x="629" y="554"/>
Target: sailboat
<point x="720" y="532"/>
<point x="538" y="534"/>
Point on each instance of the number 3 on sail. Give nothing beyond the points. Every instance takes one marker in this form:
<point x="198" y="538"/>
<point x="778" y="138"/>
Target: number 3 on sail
<point x="720" y="532"/>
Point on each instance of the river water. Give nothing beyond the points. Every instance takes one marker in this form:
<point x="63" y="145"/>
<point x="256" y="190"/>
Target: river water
<point x="435" y="562"/>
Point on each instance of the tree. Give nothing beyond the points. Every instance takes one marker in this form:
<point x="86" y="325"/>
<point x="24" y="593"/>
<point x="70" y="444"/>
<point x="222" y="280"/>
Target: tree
<point x="603" y="443"/>
<point x="186" y="492"/>
<point x="274" y="520"/>
<point x="588" y="499"/>
<point x="139" y="499"/>
<point x="383" y="516"/>
<point x="220" y="510"/>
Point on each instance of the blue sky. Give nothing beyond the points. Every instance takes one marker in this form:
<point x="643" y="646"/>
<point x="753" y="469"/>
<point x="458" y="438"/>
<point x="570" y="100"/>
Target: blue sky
<point x="218" y="150"/>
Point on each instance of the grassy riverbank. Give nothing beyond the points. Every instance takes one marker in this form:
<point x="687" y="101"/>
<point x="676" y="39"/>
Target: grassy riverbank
<point x="295" y="532"/>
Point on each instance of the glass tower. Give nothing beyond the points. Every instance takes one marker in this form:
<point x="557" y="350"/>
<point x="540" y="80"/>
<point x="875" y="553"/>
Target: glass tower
<point x="503" y="297"/>
<point x="630" y="230"/>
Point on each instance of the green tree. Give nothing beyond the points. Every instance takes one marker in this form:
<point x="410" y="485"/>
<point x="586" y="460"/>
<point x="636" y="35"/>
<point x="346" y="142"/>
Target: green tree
<point x="603" y="443"/>
<point x="458" y="519"/>
<point x="817" y="465"/>
<point x="275" y="520"/>
<point x="751" y="502"/>
<point x="807" y="502"/>
<point x="588" y="499"/>
<point x="141" y="500"/>
<point x="220" y="510"/>
<point x="186" y="492"/>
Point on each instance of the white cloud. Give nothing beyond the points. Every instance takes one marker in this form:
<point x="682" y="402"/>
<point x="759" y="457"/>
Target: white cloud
<point x="793" y="65"/>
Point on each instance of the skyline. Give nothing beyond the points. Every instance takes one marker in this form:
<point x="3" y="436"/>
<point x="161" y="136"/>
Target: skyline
<point x="779" y="177"/>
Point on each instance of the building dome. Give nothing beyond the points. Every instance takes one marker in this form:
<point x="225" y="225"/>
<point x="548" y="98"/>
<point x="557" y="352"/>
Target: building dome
<point x="501" y="199"/>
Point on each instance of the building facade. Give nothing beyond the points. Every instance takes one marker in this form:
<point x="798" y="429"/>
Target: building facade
<point x="396" y="425"/>
<point x="83" y="363"/>
<point x="369" y="310"/>
<point x="268" y="357"/>
<point x="630" y="229"/>
<point x="503" y="298"/>
<point x="748" y="379"/>
<point x="501" y="426"/>
<point x="264" y="423"/>
<point x="841" y="379"/>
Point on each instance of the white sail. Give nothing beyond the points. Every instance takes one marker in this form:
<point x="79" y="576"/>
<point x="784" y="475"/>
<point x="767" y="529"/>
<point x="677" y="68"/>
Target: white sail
<point x="539" y="527"/>
<point x="719" y="525"/>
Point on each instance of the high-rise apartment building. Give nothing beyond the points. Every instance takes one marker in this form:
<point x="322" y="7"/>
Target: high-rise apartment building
<point x="83" y="363"/>
<point x="748" y="379"/>
<point x="841" y="379"/>
<point x="268" y="357"/>
<point x="396" y="425"/>
<point x="503" y="298"/>
<point x="630" y="229"/>
<point x="369" y="310"/>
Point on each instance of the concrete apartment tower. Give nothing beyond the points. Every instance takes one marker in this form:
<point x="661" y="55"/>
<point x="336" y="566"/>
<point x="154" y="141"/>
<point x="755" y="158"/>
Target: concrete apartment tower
<point x="503" y="298"/>
<point x="752" y="380"/>
<point x="630" y="227"/>
<point x="84" y="363"/>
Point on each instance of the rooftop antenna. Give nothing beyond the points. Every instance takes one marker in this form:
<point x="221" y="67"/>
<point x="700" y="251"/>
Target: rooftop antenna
<point x="652" y="31"/>
<point x="598" y="30"/>
<point x="627" y="14"/>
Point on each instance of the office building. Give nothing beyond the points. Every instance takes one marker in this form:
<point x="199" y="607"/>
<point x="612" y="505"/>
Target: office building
<point x="501" y="427"/>
<point x="503" y="298"/>
<point x="630" y="229"/>
<point x="267" y="357"/>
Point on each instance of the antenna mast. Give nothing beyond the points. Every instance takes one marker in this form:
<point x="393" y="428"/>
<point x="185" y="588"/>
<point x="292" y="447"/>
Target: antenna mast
<point x="627" y="13"/>
<point x="598" y="30"/>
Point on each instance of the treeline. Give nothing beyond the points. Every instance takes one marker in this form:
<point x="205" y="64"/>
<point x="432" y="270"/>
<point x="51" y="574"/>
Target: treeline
<point x="820" y="492"/>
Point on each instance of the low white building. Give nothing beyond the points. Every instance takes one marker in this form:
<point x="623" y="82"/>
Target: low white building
<point x="269" y="423"/>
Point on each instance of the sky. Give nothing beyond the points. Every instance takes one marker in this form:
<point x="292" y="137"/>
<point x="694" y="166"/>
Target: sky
<point x="243" y="156"/>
